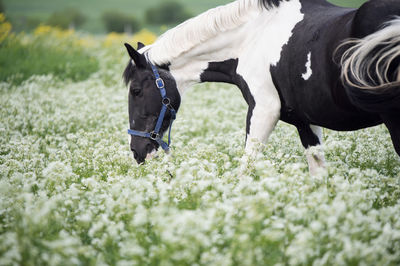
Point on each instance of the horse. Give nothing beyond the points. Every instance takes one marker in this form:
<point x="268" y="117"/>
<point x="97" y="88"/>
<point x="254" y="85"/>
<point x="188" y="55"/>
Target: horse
<point x="308" y="63"/>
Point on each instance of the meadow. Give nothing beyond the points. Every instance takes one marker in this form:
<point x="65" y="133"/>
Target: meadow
<point x="71" y="193"/>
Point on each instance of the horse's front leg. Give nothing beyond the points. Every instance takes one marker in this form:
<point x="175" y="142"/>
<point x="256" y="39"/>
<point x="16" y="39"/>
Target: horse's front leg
<point x="262" y="118"/>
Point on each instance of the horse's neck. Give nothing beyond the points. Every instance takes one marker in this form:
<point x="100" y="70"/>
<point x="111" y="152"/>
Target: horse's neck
<point x="257" y="30"/>
<point x="212" y="36"/>
<point x="188" y="67"/>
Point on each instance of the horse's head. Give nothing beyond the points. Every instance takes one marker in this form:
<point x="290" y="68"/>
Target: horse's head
<point x="146" y="103"/>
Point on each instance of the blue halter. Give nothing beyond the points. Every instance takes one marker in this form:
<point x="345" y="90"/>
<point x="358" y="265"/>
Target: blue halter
<point x="166" y="104"/>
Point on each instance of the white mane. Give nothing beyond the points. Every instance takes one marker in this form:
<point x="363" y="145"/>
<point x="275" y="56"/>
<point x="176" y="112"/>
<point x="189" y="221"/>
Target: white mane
<point x="199" y="29"/>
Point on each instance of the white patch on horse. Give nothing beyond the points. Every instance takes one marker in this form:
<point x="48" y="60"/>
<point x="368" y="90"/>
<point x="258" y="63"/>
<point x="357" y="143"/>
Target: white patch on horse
<point x="151" y="155"/>
<point x="317" y="131"/>
<point x="260" y="51"/>
<point x="194" y="32"/>
<point x="315" y="155"/>
<point x="308" y="72"/>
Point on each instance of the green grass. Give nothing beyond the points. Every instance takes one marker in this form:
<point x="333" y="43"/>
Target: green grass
<point x="17" y="9"/>
<point x="19" y="61"/>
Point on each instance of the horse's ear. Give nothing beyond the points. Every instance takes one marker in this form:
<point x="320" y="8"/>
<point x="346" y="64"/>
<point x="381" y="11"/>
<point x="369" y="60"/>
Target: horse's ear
<point x="139" y="59"/>
<point x="140" y="45"/>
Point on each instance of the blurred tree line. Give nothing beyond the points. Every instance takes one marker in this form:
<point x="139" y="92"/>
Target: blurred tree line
<point x="68" y="18"/>
<point x="164" y="13"/>
<point x="167" y="13"/>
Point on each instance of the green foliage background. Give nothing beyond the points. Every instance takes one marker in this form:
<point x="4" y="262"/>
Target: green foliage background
<point x="22" y="56"/>
<point x="167" y="13"/>
<point x="94" y="8"/>
<point x="65" y="18"/>
<point x="116" y="21"/>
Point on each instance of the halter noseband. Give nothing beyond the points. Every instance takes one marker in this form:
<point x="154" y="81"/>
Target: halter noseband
<point x="166" y="104"/>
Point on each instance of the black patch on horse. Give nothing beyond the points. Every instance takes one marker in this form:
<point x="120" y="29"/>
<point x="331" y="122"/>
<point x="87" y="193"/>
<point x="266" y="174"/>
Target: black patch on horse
<point x="225" y="71"/>
<point x="311" y="101"/>
<point x="378" y="12"/>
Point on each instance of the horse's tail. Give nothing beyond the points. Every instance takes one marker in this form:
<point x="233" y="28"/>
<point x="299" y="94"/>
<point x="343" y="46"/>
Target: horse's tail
<point x="371" y="69"/>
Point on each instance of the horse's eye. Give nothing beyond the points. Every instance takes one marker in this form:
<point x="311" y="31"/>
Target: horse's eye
<point x="136" y="92"/>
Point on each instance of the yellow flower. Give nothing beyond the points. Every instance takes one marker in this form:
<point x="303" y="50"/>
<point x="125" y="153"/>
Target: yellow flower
<point x="86" y="42"/>
<point x="5" y="28"/>
<point x="114" y="38"/>
<point x="145" y="36"/>
<point x="42" y="30"/>
<point x="45" y="30"/>
<point x="63" y="34"/>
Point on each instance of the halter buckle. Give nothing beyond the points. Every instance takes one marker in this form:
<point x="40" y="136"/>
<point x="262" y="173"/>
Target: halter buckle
<point x="160" y="83"/>
<point x="154" y="135"/>
<point x="166" y="102"/>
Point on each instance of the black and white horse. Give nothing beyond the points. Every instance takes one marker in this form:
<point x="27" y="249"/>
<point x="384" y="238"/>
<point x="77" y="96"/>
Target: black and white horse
<point x="306" y="62"/>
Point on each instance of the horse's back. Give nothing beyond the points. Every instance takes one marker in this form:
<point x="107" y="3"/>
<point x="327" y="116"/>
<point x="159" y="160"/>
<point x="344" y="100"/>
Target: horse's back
<point x="372" y="15"/>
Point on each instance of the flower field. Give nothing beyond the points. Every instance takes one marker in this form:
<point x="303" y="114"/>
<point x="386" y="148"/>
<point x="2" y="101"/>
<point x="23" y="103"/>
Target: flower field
<point x="71" y="194"/>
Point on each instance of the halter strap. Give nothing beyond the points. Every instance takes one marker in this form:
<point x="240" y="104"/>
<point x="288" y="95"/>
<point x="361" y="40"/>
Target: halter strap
<point x="166" y="104"/>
